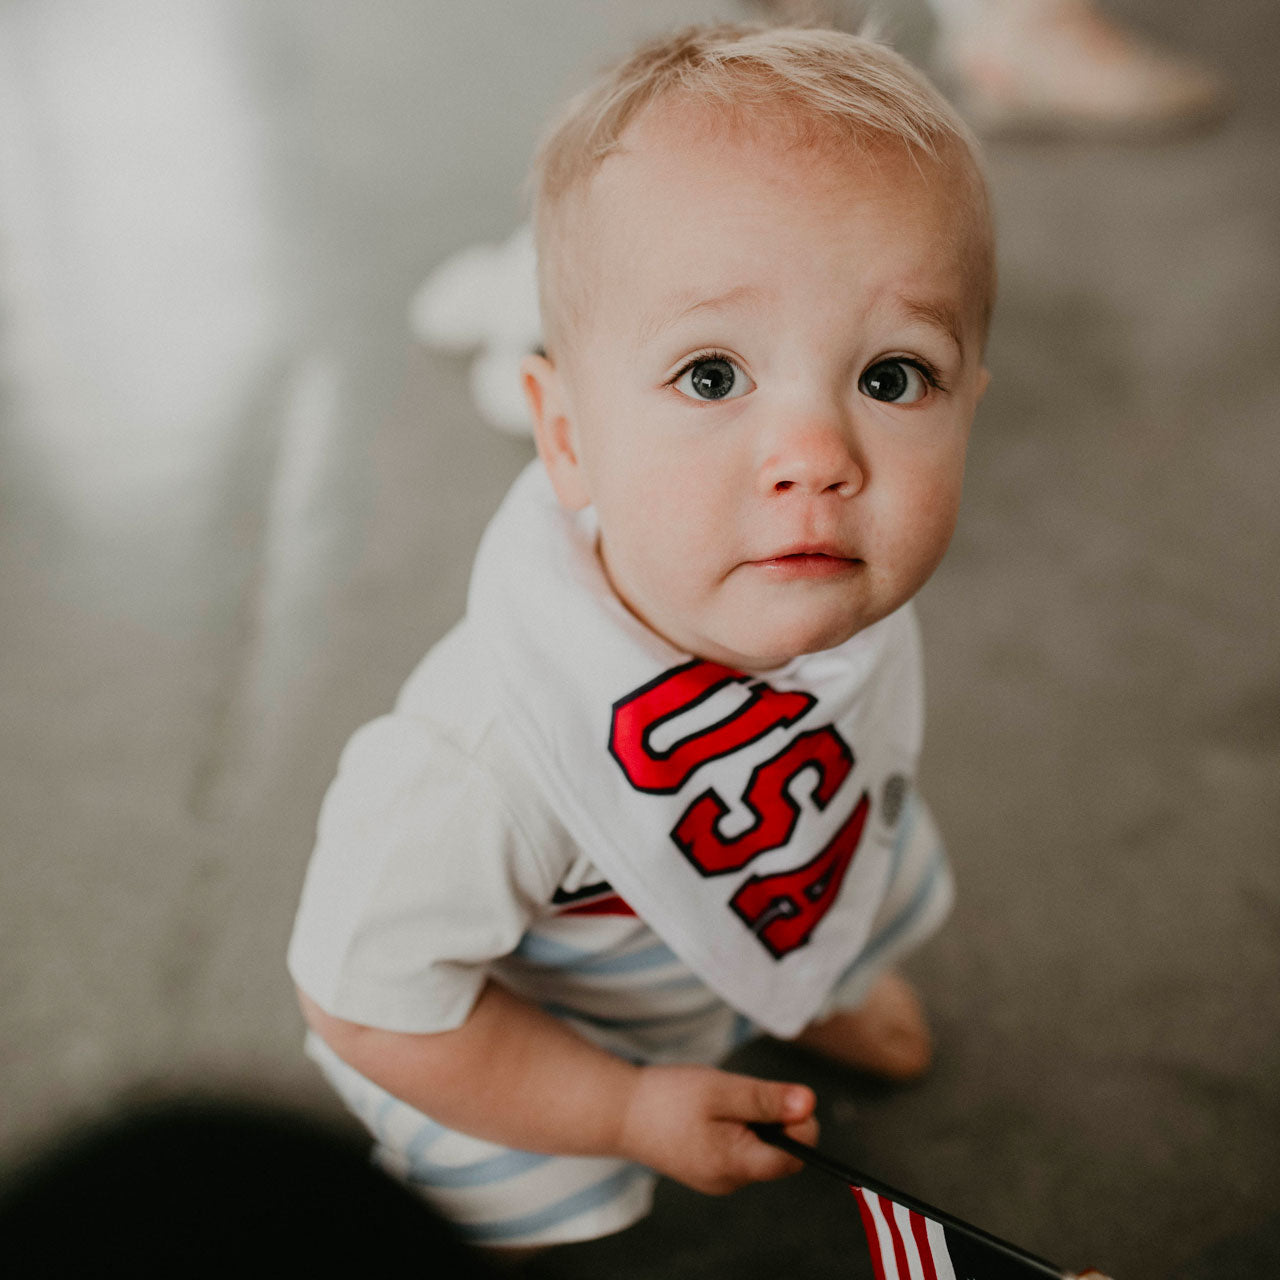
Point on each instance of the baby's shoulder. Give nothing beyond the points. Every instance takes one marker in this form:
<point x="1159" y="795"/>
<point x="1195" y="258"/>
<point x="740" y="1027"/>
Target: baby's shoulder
<point x="442" y="766"/>
<point x="454" y="689"/>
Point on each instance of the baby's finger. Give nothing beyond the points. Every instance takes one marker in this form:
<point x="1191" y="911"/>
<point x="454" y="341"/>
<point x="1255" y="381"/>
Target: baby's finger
<point x="751" y="1159"/>
<point x="805" y="1131"/>
<point x="752" y="1100"/>
<point x="746" y="1100"/>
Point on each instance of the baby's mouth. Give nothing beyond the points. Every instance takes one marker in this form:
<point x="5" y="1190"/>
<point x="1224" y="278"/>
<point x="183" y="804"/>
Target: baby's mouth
<point x="808" y="563"/>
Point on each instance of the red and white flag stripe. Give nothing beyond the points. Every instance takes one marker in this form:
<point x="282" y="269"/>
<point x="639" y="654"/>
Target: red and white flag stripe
<point x="904" y="1245"/>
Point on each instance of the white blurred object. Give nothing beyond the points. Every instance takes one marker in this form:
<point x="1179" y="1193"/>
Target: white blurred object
<point x="485" y="299"/>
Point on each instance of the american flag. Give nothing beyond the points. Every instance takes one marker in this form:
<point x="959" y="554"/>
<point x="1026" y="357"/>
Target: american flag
<point x="906" y="1245"/>
<point x="911" y="1240"/>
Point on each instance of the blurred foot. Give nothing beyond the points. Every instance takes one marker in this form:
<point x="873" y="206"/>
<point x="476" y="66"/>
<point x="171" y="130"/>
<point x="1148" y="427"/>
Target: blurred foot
<point x="1063" y="68"/>
<point x="887" y="1035"/>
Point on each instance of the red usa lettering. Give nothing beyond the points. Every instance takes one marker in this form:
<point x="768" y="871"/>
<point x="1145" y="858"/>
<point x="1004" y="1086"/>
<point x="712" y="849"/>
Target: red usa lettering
<point x="769" y="798"/>
<point x="781" y="909"/>
<point x="641" y="712"/>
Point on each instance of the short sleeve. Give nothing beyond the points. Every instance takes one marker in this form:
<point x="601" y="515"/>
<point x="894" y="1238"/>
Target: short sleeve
<point x="419" y="879"/>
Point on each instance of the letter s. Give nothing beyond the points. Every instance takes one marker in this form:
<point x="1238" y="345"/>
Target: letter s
<point x="768" y="797"/>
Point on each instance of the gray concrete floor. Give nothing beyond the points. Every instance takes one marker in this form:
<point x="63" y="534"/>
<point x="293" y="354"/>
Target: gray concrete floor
<point x="237" y="502"/>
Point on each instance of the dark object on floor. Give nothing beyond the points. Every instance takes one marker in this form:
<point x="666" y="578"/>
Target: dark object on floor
<point x="194" y="1187"/>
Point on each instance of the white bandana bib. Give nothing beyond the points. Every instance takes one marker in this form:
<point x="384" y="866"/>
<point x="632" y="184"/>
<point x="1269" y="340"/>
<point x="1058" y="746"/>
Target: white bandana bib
<point x="746" y="819"/>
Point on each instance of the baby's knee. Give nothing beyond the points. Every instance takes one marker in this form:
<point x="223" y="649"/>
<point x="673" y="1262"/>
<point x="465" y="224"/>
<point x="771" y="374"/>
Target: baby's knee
<point x="887" y="1035"/>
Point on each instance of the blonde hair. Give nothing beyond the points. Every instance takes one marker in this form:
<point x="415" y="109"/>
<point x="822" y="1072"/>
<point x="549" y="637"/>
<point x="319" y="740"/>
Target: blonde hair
<point x="823" y="84"/>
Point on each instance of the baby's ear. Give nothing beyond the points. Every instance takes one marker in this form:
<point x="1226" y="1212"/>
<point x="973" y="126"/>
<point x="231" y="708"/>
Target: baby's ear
<point x="553" y="430"/>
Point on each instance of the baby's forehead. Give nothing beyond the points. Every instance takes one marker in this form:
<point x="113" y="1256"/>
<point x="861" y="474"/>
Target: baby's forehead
<point x="678" y="125"/>
<point x="650" y="160"/>
<point x="769" y="135"/>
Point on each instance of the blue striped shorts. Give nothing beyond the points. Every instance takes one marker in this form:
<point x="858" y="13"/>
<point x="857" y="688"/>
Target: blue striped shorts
<point x="621" y="987"/>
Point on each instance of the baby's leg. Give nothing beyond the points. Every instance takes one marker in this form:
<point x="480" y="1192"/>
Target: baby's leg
<point x="887" y="1035"/>
<point x="874" y="1020"/>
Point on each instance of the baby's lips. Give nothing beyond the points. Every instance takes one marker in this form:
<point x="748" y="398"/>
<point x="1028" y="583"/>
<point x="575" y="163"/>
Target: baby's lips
<point x="816" y="547"/>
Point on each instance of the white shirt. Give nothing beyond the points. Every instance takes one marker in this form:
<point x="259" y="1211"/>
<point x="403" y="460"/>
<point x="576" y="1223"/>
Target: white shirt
<point x="520" y="761"/>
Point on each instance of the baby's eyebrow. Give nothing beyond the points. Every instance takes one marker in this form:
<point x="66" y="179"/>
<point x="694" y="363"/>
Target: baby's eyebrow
<point x="937" y="315"/>
<point x="685" y="304"/>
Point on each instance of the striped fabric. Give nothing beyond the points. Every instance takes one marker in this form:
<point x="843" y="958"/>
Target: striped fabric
<point x="613" y="979"/>
<point x="492" y="1194"/>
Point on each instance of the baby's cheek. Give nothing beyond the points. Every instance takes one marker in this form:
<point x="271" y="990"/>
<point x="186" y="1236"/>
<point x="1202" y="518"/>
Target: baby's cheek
<point x="911" y="525"/>
<point x="658" y="542"/>
<point x="928" y="530"/>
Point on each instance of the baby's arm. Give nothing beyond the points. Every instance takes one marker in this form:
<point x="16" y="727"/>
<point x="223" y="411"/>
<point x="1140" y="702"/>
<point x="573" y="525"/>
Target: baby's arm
<point x="515" y="1075"/>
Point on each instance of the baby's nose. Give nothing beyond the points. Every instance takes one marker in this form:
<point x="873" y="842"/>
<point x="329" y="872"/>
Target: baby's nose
<point x="813" y="458"/>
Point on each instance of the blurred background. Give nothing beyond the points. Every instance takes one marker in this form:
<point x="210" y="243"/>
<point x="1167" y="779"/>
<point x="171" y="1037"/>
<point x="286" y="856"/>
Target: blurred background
<point x="239" y="499"/>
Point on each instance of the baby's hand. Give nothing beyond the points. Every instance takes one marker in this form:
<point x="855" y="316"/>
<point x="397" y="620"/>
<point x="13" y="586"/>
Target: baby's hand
<point x="691" y="1124"/>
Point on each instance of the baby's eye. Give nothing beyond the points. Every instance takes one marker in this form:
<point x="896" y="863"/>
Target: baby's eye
<point x="894" y="381"/>
<point x="712" y="378"/>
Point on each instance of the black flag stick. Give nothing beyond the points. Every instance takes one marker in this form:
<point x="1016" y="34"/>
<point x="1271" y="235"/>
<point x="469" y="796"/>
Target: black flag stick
<point x="774" y="1135"/>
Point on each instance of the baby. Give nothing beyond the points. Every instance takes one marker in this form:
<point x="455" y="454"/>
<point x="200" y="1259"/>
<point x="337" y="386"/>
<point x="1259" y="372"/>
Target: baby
<point x="653" y="795"/>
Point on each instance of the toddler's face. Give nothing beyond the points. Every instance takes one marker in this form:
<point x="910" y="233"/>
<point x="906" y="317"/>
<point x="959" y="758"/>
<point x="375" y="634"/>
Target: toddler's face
<point x="769" y="397"/>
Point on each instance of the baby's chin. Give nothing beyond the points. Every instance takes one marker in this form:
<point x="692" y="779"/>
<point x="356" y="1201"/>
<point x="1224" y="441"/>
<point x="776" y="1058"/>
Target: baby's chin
<point x="762" y="649"/>
<point x="756" y="634"/>
<point x="760" y="631"/>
